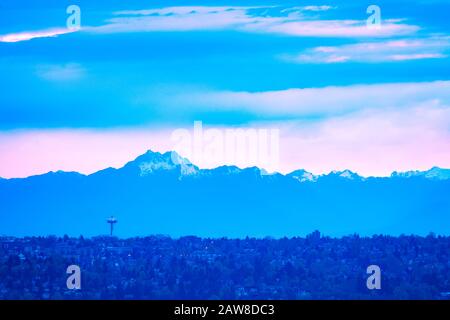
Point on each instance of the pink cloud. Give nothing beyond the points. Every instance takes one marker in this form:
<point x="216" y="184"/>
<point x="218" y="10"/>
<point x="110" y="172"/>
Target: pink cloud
<point x="370" y="129"/>
<point x="25" y="153"/>
<point x="370" y="142"/>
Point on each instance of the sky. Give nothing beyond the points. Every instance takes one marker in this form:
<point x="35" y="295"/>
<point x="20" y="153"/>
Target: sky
<point x="341" y="94"/>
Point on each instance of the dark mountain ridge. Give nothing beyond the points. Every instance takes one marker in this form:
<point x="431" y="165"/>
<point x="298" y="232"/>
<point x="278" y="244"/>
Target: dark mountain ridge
<point x="166" y="194"/>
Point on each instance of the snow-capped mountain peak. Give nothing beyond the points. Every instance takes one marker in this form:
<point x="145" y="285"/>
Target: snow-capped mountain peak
<point x="151" y="162"/>
<point x="346" y="174"/>
<point x="303" y="176"/>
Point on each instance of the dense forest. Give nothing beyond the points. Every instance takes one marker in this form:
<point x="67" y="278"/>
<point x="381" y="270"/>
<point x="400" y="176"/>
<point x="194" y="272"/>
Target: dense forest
<point x="160" y="267"/>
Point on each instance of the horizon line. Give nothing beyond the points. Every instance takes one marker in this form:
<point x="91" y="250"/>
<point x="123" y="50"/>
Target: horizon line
<point x="266" y="237"/>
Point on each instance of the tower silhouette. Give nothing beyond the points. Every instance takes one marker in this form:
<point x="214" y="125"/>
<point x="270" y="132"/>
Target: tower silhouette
<point x="111" y="220"/>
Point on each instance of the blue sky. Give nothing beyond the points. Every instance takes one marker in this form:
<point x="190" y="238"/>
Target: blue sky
<point x="337" y="89"/>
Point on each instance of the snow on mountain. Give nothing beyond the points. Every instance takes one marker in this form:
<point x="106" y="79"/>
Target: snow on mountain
<point x="152" y="162"/>
<point x="303" y="176"/>
<point x="346" y="174"/>
<point x="434" y="173"/>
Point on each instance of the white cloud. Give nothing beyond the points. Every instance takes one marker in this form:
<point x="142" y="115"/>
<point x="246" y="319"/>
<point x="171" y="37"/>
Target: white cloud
<point x="177" y="19"/>
<point x="417" y="56"/>
<point x="332" y="28"/>
<point x="333" y="100"/>
<point x="182" y="10"/>
<point x="393" y="50"/>
<point x="316" y="8"/>
<point x="64" y="72"/>
<point x="294" y="22"/>
<point x="28" y="35"/>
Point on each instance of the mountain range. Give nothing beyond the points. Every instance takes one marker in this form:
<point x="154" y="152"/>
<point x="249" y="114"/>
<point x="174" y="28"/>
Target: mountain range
<point x="166" y="194"/>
